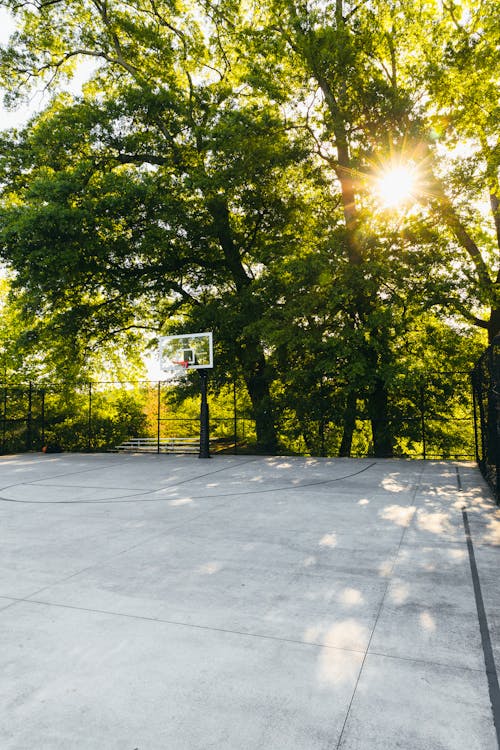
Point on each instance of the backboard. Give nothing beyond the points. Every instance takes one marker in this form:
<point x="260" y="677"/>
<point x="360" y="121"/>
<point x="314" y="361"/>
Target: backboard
<point x="187" y="350"/>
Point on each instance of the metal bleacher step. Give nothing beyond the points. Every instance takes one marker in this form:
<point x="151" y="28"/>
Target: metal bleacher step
<point x="164" y="445"/>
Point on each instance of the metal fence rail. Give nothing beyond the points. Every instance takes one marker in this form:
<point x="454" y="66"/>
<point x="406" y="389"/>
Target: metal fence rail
<point x="430" y="419"/>
<point x="99" y="416"/>
<point x="486" y="391"/>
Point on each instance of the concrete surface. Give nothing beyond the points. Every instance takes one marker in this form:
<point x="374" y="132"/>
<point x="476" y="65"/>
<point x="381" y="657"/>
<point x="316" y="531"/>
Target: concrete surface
<point x="245" y="603"/>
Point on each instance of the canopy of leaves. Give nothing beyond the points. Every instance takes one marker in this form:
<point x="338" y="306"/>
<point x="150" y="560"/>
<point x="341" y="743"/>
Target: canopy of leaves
<point x="218" y="171"/>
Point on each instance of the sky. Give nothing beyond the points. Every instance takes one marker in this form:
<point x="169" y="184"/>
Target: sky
<point x="10" y="119"/>
<point x="38" y="99"/>
<point x="16" y="117"/>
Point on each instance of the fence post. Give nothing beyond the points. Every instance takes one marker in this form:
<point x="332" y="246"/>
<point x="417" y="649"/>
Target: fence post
<point x="4" y="418"/>
<point x="322" y="419"/>
<point x="235" y="418"/>
<point x="29" y="418"/>
<point x="483" y="462"/>
<point x="158" y="417"/>
<point x="474" y="412"/>
<point x="43" y="416"/>
<point x="422" y="421"/>
<point x="493" y="415"/>
<point x="204" y="423"/>
<point x="89" y="432"/>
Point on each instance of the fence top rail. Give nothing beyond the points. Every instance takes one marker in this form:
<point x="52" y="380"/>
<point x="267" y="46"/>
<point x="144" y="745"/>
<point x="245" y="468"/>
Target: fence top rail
<point x="145" y="381"/>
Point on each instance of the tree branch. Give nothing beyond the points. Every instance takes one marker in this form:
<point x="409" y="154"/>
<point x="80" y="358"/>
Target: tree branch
<point x="446" y="210"/>
<point x="217" y="206"/>
<point x="177" y="287"/>
<point x="141" y="159"/>
<point x="120" y="58"/>
<point x="163" y="22"/>
<point x="116" y="331"/>
<point x="253" y="234"/>
<point x="495" y="210"/>
<point x="468" y="315"/>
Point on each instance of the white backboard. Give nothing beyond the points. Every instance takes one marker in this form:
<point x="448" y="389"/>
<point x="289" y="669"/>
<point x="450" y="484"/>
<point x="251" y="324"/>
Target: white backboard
<point x="189" y="351"/>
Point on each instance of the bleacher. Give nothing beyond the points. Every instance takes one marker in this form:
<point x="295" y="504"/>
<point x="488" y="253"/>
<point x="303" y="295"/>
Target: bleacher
<point x="164" y="445"/>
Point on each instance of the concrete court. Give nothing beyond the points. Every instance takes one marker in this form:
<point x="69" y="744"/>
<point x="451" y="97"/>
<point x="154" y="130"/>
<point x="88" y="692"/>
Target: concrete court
<point x="244" y="603"/>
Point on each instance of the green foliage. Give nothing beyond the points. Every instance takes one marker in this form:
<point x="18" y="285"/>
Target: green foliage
<point x="218" y="172"/>
<point x="68" y="418"/>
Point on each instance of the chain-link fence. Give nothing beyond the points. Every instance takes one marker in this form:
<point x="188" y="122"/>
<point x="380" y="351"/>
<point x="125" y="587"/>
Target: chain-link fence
<point x="431" y="418"/>
<point x="426" y="418"/>
<point x="101" y="416"/>
<point x="486" y="390"/>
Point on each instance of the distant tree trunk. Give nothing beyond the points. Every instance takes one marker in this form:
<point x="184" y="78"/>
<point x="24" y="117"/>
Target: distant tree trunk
<point x="493" y="324"/>
<point x="349" y="424"/>
<point x="493" y="404"/>
<point x="251" y="354"/>
<point x="378" y="410"/>
<point x="257" y="380"/>
<point x="258" y="390"/>
<point x="309" y="439"/>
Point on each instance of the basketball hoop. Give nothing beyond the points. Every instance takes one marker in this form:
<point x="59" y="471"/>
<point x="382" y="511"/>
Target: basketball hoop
<point x="186" y="351"/>
<point x="176" y="369"/>
<point x="182" y="353"/>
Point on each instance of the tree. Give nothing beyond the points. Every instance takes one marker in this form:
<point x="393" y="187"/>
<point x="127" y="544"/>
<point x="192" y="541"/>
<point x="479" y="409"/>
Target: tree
<point x="372" y="88"/>
<point x="222" y="161"/>
<point x="167" y="195"/>
<point x="460" y="60"/>
<point x="355" y="108"/>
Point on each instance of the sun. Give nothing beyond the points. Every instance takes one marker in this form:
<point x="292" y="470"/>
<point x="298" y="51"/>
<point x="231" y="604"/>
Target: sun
<point x="396" y="185"/>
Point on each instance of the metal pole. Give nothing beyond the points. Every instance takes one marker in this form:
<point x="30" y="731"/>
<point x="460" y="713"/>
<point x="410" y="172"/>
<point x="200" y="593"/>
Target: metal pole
<point x="494" y="414"/>
<point x="29" y="418"/>
<point x="89" y="433"/>
<point x="474" y="411"/>
<point x="322" y="420"/>
<point x="422" y="420"/>
<point x="483" y="432"/>
<point x="158" y="416"/>
<point x="4" y="420"/>
<point x="204" y="417"/>
<point x="322" y="436"/>
<point x="43" y="417"/>
<point x="235" y="418"/>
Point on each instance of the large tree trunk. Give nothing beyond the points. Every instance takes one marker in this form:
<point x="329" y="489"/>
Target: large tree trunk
<point x="378" y="410"/>
<point x="492" y="391"/>
<point x="258" y="386"/>
<point x="251" y="355"/>
<point x="348" y="425"/>
<point x="493" y="324"/>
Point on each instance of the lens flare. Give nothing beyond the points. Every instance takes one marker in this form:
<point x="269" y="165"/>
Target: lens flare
<point x="396" y="185"/>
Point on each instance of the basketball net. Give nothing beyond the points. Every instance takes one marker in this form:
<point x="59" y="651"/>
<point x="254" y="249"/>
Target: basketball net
<point x="175" y="369"/>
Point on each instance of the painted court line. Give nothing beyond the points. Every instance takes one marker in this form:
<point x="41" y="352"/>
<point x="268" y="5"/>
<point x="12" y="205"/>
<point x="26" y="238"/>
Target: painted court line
<point x="141" y="495"/>
<point x="489" y="661"/>
<point x="384" y="595"/>
<point x="189" y="625"/>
